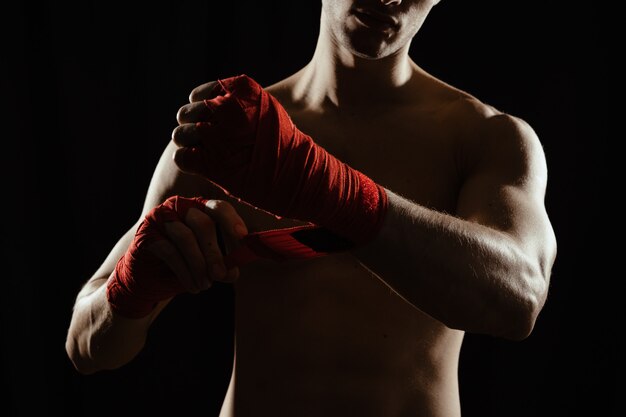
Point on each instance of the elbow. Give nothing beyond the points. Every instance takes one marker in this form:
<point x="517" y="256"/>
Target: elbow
<point x="81" y="363"/>
<point x="507" y="311"/>
<point x="91" y="356"/>
<point x="529" y="295"/>
<point x="87" y="360"/>
<point x="521" y="323"/>
<point x="84" y="363"/>
<point x="522" y="313"/>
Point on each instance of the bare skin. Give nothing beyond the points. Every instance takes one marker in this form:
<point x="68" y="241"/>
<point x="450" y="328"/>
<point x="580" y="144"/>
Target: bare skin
<point x="466" y="245"/>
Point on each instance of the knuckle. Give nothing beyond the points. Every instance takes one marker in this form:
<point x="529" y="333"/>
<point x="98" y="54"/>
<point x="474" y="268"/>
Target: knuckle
<point x="213" y="257"/>
<point x="199" y="221"/>
<point x="200" y="268"/>
<point x="165" y="249"/>
<point x="177" y="231"/>
<point x="218" y="271"/>
<point x="212" y="253"/>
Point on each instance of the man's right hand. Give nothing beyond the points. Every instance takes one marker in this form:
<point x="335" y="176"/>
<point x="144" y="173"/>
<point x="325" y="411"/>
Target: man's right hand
<point x="242" y="139"/>
<point x="175" y="249"/>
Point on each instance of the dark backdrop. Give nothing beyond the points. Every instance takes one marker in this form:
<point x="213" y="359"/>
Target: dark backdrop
<point x="90" y="93"/>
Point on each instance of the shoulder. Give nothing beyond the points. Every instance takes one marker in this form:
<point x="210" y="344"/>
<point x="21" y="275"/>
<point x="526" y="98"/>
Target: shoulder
<point x="488" y="138"/>
<point x="476" y="116"/>
<point x="503" y="143"/>
<point x="492" y="127"/>
<point x="513" y="141"/>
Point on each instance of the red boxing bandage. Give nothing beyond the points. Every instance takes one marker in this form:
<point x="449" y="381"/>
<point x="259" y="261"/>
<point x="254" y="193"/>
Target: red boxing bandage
<point x="291" y="243"/>
<point x="252" y="149"/>
<point x="141" y="279"/>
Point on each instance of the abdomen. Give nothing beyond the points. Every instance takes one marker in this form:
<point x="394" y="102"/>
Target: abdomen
<point x="323" y="335"/>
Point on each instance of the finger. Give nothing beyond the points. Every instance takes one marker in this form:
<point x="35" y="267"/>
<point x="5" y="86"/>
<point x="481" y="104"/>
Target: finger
<point x="196" y="112"/>
<point x="219" y="109"/>
<point x="232" y="273"/>
<point x="227" y="218"/>
<point x="232" y="227"/>
<point x="164" y="250"/>
<point x="191" y="134"/>
<point x="204" y="229"/>
<point x="192" y="160"/>
<point x="206" y="91"/>
<point x="185" y="241"/>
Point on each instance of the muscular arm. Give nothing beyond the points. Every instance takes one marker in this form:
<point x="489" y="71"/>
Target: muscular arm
<point x="487" y="268"/>
<point x="97" y="338"/>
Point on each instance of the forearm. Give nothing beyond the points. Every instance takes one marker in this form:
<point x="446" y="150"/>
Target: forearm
<point x="464" y="274"/>
<point x="97" y="338"/>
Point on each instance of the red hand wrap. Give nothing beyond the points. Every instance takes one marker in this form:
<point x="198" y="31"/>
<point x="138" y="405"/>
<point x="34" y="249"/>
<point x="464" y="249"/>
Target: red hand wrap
<point x="252" y="149"/>
<point x="141" y="279"/>
<point x="300" y="242"/>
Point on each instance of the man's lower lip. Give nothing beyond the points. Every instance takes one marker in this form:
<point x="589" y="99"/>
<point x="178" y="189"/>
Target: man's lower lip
<point x="373" y="23"/>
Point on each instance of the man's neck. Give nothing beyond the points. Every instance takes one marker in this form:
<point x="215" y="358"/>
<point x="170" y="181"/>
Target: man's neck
<point x="337" y="78"/>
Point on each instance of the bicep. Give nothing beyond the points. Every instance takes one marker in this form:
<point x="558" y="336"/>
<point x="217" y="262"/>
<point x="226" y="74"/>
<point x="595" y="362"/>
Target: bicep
<point x="168" y="180"/>
<point x="506" y="186"/>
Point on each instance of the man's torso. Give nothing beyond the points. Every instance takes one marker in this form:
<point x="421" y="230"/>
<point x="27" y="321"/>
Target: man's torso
<point x="327" y="337"/>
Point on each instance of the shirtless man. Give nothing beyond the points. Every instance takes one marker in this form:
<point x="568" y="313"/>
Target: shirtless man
<point x="464" y="242"/>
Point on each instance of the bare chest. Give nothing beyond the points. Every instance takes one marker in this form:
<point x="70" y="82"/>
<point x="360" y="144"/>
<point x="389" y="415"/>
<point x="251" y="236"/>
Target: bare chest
<point x="302" y="324"/>
<point x="411" y="155"/>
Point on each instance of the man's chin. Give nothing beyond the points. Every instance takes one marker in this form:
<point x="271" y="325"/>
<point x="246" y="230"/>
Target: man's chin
<point x="371" y="54"/>
<point x="371" y="50"/>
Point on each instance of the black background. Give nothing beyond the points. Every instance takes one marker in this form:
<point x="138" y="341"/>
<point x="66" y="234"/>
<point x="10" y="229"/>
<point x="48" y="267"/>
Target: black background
<point x="90" y="93"/>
